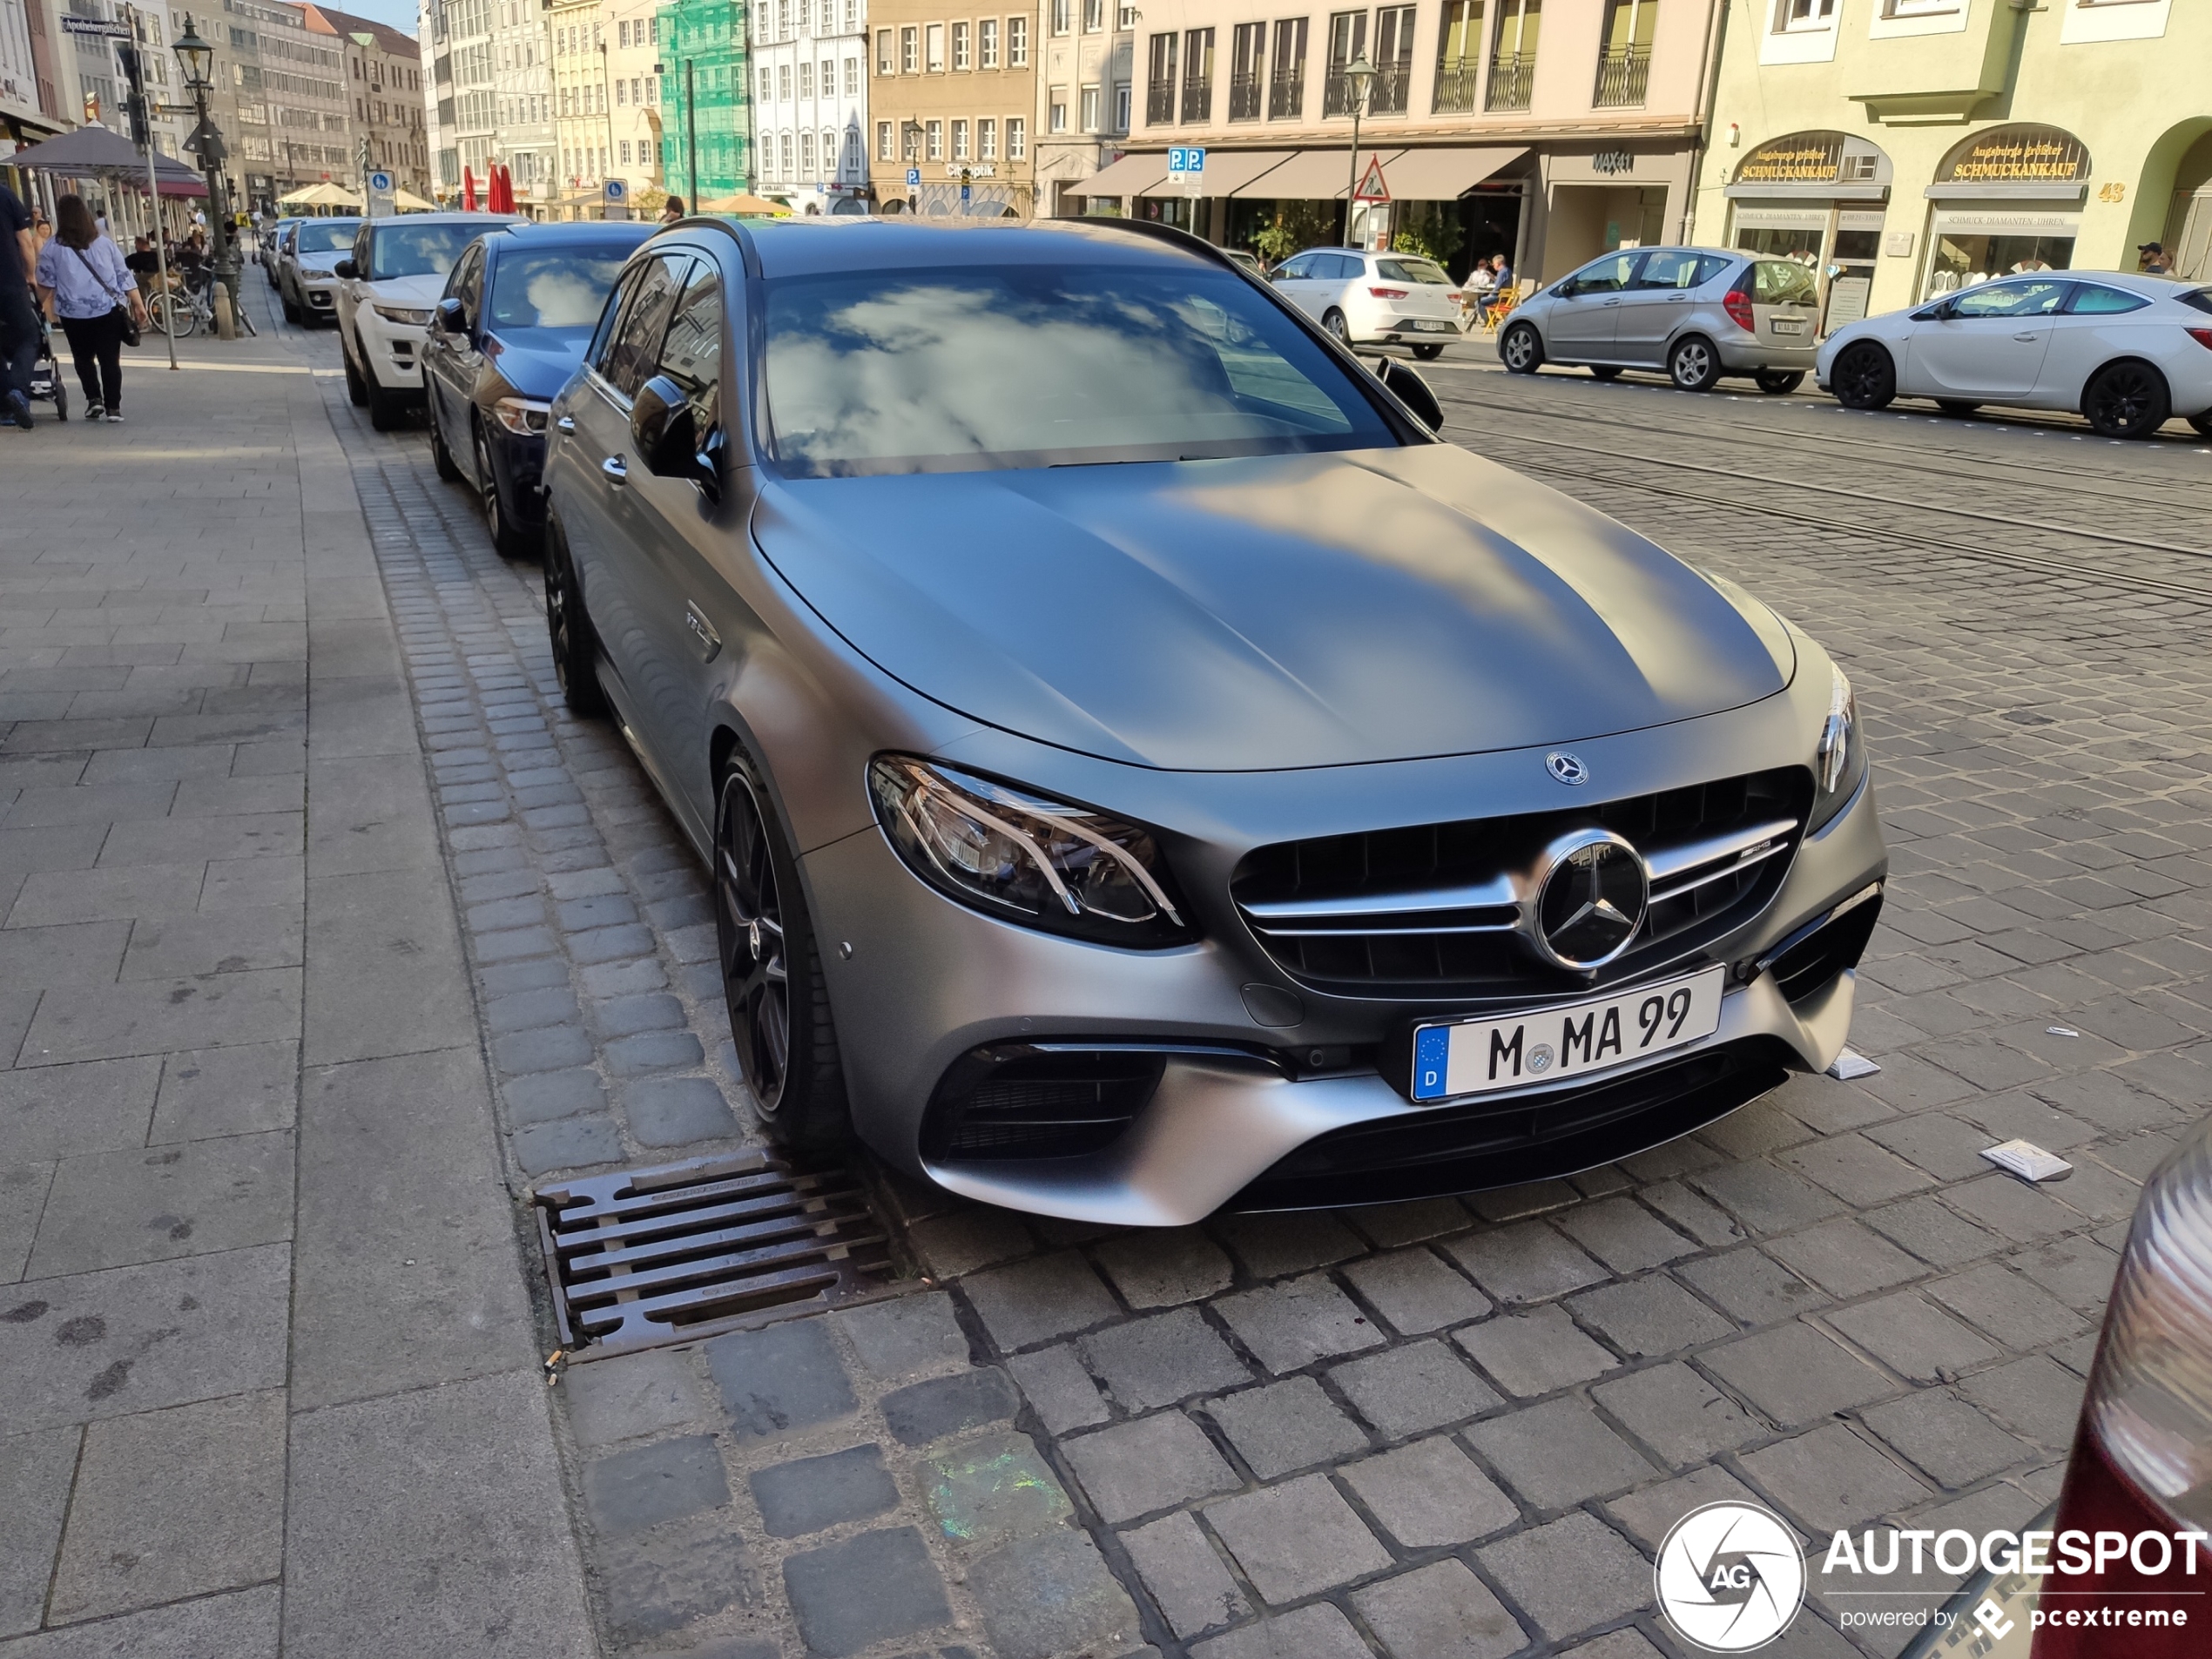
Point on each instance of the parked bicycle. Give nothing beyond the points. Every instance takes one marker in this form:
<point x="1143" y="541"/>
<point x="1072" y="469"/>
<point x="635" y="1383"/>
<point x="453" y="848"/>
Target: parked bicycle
<point x="188" y="302"/>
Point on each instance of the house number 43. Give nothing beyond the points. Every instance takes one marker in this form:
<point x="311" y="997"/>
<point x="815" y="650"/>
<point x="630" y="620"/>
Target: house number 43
<point x="2113" y="193"/>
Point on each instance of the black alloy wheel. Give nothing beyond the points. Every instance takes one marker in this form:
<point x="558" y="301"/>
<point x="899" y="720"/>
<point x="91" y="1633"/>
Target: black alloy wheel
<point x="1694" y="364"/>
<point x="1865" y="377"/>
<point x="771" y="978"/>
<point x="1428" y="352"/>
<point x="1333" y="319"/>
<point x="2126" y="399"/>
<point x="441" y="457"/>
<point x="1605" y="371"/>
<point x="1779" y="382"/>
<point x="1956" y="406"/>
<point x="506" y="535"/>
<point x="1521" y="350"/>
<point x="568" y="631"/>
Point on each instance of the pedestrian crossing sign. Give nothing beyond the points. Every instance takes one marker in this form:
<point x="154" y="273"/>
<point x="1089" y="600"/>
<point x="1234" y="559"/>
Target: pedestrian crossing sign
<point x="1372" y="187"/>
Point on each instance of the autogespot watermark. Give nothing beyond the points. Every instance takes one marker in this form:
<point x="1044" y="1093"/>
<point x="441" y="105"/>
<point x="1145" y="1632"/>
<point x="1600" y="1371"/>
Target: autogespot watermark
<point x="1731" y="1578"/>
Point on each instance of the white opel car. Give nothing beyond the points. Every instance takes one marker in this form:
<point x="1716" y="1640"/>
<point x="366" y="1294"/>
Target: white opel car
<point x="387" y="293"/>
<point x="1366" y="299"/>
<point x="2128" y="351"/>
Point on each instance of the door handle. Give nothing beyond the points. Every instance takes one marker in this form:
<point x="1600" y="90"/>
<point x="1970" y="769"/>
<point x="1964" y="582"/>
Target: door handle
<point x="566" y="423"/>
<point x="615" y="468"/>
<point x="1613" y="302"/>
<point x="2030" y="337"/>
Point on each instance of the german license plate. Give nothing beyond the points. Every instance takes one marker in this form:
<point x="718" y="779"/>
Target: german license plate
<point x="1479" y="1056"/>
<point x="1788" y="325"/>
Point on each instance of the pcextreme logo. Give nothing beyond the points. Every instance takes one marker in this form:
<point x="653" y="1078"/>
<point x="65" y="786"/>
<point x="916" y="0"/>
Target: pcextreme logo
<point x="1731" y="1577"/>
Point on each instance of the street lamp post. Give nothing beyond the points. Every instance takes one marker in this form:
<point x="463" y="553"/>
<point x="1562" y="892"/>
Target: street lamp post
<point x="1360" y="75"/>
<point x="199" y="58"/>
<point x="910" y="141"/>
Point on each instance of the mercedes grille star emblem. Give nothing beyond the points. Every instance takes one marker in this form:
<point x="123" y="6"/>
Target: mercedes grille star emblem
<point x="1568" y="768"/>
<point x="1591" y="900"/>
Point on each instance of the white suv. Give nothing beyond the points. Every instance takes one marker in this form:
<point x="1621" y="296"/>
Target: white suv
<point x="387" y="295"/>
<point x="1362" y="298"/>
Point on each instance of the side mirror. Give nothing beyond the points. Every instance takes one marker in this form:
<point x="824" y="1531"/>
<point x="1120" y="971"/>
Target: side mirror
<point x="453" y="316"/>
<point x="665" y="432"/>
<point x="346" y="269"/>
<point x="1405" y="384"/>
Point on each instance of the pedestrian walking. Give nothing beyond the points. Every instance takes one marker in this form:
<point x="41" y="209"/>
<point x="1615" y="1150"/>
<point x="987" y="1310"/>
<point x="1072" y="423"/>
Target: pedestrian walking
<point x="88" y="290"/>
<point x="18" y="322"/>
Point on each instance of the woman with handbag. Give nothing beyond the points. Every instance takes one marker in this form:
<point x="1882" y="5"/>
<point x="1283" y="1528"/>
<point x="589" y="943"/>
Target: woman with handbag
<point x="89" y="291"/>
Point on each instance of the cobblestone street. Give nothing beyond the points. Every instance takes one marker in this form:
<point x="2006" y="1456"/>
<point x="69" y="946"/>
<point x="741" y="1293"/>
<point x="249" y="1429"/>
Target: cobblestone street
<point x="1449" y="1428"/>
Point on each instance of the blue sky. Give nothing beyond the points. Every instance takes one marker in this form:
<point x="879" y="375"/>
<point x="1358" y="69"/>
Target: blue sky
<point x="395" y="14"/>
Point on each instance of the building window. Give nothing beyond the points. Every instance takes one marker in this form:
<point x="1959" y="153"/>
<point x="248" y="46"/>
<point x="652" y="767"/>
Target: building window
<point x="1624" y="64"/>
<point x="959" y="141"/>
<point x="806" y="80"/>
<point x="1247" y="69"/>
<point x="1286" y="79"/>
<point x="1060" y="13"/>
<point x="885" y="63"/>
<point x="1513" y="54"/>
<point x="934" y="138"/>
<point x="1159" y="81"/>
<point x="785" y="145"/>
<point x="1347" y="41"/>
<point x="806" y="155"/>
<point x="1918" y="8"/>
<point x="829" y="157"/>
<point x="1120" y="106"/>
<point x="934" y="39"/>
<point x="1459" y="54"/>
<point x="1197" y="75"/>
<point x="959" y="46"/>
<point x="852" y="16"/>
<point x="1017" y="42"/>
<point x="1393" y="61"/>
<point x="986" y="139"/>
<point x="852" y="78"/>
<point x="1094" y="16"/>
<point x="910" y="50"/>
<point x="883" y="142"/>
<point x="1090" y="109"/>
<point x="1791" y="16"/>
<point x="782" y="80"/>
<point x="1056" y="110"/>
<point x="1017" y="138"/>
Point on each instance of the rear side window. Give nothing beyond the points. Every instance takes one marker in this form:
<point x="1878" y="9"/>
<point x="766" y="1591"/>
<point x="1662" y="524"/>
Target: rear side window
<point x="2093" y="300"/>
<point x="1782" y="282"/>
<point x="1343" y="268"/>
<point x="1680" y="269"/>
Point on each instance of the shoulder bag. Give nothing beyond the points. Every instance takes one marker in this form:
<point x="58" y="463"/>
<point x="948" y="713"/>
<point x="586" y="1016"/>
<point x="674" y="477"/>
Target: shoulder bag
<point x="122" y="306"/>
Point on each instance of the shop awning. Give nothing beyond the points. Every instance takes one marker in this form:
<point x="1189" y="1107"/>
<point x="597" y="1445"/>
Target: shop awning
<point x="94" y="152"/>
<point x="1443" y="175"/>
<point x="1131" y="176"/>
<point x="1226" y="173"/>
<point x="1307" y="175"/>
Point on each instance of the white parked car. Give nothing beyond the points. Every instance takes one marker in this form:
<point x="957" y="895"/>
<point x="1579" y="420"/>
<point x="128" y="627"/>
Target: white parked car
<point x="1366" y="299"/>
<point x="2129" y="352"/>
<point x="387" y="293"/>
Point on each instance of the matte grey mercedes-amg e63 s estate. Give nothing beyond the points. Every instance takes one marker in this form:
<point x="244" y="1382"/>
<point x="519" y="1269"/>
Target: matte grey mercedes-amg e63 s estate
<point x="1143" y="769"/>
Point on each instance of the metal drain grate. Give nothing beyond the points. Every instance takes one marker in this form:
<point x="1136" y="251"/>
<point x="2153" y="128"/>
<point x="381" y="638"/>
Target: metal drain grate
<point x="648" y="1257"/>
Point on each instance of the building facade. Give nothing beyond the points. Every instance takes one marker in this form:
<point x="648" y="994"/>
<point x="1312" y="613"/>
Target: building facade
<point x="522" y="88"/>
<point x="384" y="79"/>
<point x="464" y="87"/>
<point x="1550" y="134"/>
<point x="280" y="100"/>
<point x="1086" y="92"/>
<point x="707" y="117"/>
<point x="631" y="29"/>
<point x="1910" y="147"/>
<point x="810" y="102"/>
<point x="582" y="94"/>
<point x="951" y="112"/>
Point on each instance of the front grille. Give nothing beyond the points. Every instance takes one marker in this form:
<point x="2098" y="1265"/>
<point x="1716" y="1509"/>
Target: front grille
<point x="1428" y="912"/>
<point x="665" y="1255"/>
<point x="1020" y="1100"/>
<point x="1816" y="955"/>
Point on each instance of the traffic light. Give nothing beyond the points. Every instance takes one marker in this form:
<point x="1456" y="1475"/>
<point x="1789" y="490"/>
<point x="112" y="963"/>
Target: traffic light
<point x="134" y="110"/>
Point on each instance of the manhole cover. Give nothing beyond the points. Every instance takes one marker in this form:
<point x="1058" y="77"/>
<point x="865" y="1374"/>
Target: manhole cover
<point x="669" y="1254"/>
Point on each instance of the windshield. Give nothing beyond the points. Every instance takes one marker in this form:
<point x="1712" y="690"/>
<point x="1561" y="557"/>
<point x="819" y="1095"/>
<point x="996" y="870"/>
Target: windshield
<point x="975" y="368"/>
<point x="1411" y="270"/>
<point x="325" y="235"/>
<point x="419" y="250"/>
<point x="562" y="287"/>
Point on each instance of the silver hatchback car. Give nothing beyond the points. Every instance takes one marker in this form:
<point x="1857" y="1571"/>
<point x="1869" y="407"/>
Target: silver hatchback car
<point x="1142" y="769"/>
<point x="1697" y="313"/>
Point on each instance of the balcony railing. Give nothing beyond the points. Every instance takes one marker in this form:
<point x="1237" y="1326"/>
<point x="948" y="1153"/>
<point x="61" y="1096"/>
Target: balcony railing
<point x="1387" y="93"/>
<point x="1456" y="81"/>
<point x="1197" y="98"/>
<point x="1286" y="94"/>
<point x="1622" y="77"/>
<point x="1159" y="103"/>
<point x="1512" y="77"/>
<point x="1244" y="98"/>
<point x="1336" y="94"/>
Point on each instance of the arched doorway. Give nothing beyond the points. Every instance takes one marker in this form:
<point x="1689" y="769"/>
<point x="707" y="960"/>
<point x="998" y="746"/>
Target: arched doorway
<point x="1821" y="199"/>
<point x="2188" y="223"/>
<point x="2007" y="198"/>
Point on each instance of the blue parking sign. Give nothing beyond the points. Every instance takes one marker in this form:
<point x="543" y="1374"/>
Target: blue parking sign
<point x="913" y="178"/>
<point x="1190" y="157"/>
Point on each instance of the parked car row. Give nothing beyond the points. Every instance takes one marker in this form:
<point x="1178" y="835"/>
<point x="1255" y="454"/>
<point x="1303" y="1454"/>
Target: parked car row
<point x="2128" y="352"/>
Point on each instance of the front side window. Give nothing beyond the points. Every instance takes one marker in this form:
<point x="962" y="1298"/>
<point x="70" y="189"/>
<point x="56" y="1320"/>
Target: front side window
<point x="563" y="289"/>
<point x="1678" y="268"/>
<point x="1608" y="275"/>
<point x="2038" y="299"/>
<point x="988" y="368"/>
<point x="691" y="353"/>
<point x="634" y="347"/>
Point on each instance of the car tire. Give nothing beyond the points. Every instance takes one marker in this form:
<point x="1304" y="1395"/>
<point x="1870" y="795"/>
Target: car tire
<point x="1605" y="371"/>
<point x="773" y="983"/>
<point x="291" y="311"/>
<point x="356" y="393"/>
<point x="508" y="538"/>
<point x="2128" y="399"/>
<point x="1865" y="377"/>
<point x="1779" y="382"/>
<point x="574" y="641"/>
<point x="1521" y="350"/>
<point x="387" y="410"/>
<point x="2203" y="423"/>
<point x="1428" y="354"/>
<point x="1333" y="319"/>
<point x="441" y="457"/>
<point x="1694" y="364"/>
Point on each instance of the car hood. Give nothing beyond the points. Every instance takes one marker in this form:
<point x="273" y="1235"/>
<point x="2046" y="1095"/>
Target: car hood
<point x="317" y="265"/>
<point x="1268" y="613"/>
<point x="423" y="291"/>
<point x="538" y="362"/>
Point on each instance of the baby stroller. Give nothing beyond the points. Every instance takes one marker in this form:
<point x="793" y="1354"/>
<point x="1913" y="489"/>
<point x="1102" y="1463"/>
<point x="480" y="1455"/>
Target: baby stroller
<point x="46" y="383"/>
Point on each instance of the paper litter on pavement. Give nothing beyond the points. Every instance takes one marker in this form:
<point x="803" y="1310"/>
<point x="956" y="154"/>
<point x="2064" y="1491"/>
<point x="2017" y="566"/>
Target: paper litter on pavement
<point x="2028" y="1161"/>
<point x="1851" y="1064"/>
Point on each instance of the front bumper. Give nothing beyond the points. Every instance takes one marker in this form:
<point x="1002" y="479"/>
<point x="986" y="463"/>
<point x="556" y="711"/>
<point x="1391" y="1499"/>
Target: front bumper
<point x="930" y="983"/>
<point x="394" y="350"/>
<point x="318" y="298"/>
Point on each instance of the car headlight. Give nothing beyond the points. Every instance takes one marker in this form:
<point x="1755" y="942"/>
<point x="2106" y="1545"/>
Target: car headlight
<point x="1840" y="761"/>
<point x="407" y="316"/>
<point x="1025" y="858"/>
<point x="525" y="416"/>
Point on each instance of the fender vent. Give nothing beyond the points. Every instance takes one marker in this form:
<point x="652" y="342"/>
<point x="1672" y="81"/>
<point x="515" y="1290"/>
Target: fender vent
<point x="648" y="1257"/>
